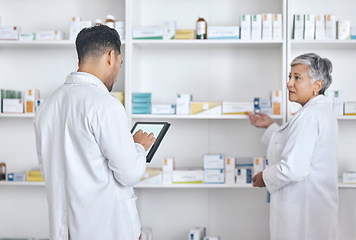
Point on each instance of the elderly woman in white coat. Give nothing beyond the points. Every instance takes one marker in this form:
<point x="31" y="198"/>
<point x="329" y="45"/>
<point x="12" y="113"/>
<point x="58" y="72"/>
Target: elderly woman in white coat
<point x="302" y="171"/>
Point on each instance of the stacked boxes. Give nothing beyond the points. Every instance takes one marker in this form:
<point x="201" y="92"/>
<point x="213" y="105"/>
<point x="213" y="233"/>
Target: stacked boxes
<point x="214" y="168"/>
<point x="244" y="170"/>
<point x="141" y="103"/>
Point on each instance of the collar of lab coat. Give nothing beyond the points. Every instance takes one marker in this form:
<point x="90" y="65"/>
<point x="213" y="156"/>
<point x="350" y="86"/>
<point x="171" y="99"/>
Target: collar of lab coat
<point x="85" y="78"/>
<point x="314" y="100"/>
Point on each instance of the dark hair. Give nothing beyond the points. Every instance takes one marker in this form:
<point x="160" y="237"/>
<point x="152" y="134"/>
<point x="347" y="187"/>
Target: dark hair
<point x="96" y="41"/>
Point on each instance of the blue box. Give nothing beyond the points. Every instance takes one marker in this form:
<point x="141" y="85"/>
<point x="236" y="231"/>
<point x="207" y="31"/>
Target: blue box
<point x="139" y="97"/>
<point x="141" y="108"/>
<point x="16" y="177"/>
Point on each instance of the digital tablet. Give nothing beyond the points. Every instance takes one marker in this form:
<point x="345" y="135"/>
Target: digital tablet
<point x="158" y="129"/>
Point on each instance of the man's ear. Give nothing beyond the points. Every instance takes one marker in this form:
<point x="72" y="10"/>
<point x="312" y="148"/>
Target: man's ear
<point x="111" y="57"/>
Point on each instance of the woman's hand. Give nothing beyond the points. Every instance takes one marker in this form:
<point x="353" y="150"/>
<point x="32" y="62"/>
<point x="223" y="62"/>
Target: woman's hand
<point x="257" y="180"/>
<point x="261" y="120"/>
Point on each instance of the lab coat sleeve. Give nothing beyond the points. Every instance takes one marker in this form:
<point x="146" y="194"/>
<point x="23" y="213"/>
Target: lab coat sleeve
<point x="268" y="133"/>
<point x="296" y="155"/>
<point x="125" y="158"/>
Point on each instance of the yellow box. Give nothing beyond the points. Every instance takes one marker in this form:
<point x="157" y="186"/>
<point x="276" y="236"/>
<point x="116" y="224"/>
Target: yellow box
<point x="120" y="96"/>
<point x="34" y="176"/>
<point x="185" y="34"/>
<point x="205" y="108"/>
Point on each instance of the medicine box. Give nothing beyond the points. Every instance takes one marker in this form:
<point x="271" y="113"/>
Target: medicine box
<point x="205" y="108"/>
<point x="188" y="176"/>
<point x="258" y="165"/>
<point x="213" y="161"/>
<point x="185" y="34"/>
<point x="237" y="107"/>
<point x="230" y="163"/>
<point x="320" y="27"/>
<point x="27" y="36"/>
<point x="34" y="176"/>
<point x="183" y="104"/>
<point x="214" y="176"/>
<point x="343" y="30"/>
<point x="298" y="26"/>
<point x="349" y="177"/>
<point x="141" y="108"/>
<point x="197" y="234"/>
<point x="267" y="20"/>
<point x="350" y="108"/>
<point x="211" y="238"/>
<point x="169" y="30"/>
<point x="76" y="26"/>
<point x="119" y="96"/>
<point x="309" y="26"/>
<point x="49" y="35"/>
<point x="9" y="94"/>
<point x="16" y="177"/>
<point x="31" y="96"/>
<point x="353" y="33"/>
<point x="152" y="176"/>
<point x="223" y="32"/>
<point x="167" y="170"/>
<point x="140" y="97"/>
<point x="277" y="27"/>
<point x="148" y="33"/>
<point x="120" y="28"/>
<point x="256" y="106"/>
<point x="10" y="105"/>
<point x="243" y="175"/>
<point x="9" y="32"/>
<point x="256" y="27"/>
<point x="338" y="103"/>
<point x="276" y="102"/>
<point x="230" y="176"/>
<point x="330" y="27"/>
<point x="245" y="23"/>
<point x="164" y="109"/>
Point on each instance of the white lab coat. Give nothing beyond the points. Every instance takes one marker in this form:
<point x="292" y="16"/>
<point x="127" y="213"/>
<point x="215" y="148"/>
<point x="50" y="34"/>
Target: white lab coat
<point x="89" y="161"/>
<point x="302" y="175"/>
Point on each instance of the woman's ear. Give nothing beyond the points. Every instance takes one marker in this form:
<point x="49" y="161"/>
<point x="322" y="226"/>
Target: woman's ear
<point x="318" y="85"/>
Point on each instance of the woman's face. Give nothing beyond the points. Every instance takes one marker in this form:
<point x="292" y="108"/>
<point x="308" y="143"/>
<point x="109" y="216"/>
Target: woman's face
<point x="299" y="85"/>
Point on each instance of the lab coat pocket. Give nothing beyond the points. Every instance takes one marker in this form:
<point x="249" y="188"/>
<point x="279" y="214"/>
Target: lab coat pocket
<point x="285" y="221"/>
<point x="131" y="206"/>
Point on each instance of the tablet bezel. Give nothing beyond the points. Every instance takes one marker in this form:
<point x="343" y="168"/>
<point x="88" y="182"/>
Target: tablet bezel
<point x="159" y="138"/>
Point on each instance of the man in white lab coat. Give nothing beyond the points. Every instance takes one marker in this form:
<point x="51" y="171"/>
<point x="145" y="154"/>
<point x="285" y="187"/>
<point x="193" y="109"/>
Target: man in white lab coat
<point x="88" y="158"/>
<point x="302" y="175"/>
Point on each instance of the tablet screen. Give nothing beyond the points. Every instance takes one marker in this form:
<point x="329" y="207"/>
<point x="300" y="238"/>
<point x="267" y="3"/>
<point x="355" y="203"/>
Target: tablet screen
<point x="154" y="128"/>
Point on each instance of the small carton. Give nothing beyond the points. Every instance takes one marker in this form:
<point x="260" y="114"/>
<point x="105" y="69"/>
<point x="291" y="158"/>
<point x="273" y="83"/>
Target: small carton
<point x="232" y="108"/>
<point x="222" y="32"/>
<point x="277" y="27"/>
<point x="320" y="27"/>
<point x="205" y="108"/>
<point x="183" y="104"/>
<point x="350" y="108"/>
<point x="169" y="30"/>
<point x="330" y="27"/>
<point x="256" y="27"/>
<point x="213" y="161"/>
<point x="185" y="34"/>
<point x="9" y="32"/>
<point x="343" y="30"/>
<point x="167" y="170"/>
<point x="212" y="176"/>
<point x="267" y="26"/>
<point x="245" y="23"/>
<point x="148" y="33"/>
<point x="276" y="102"/>
<point x="309" y="26"/>
<point x="164" y="109"/>
<point x="49" y="35"/>
<point x="258" y="165"/>
<point x="298" y="26"/>
<point x="27" y="36"/>
<point x="338" y="104"/>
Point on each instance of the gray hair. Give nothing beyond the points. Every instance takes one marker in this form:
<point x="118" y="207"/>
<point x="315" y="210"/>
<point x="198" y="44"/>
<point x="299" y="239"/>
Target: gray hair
<point x="319" y="68"/>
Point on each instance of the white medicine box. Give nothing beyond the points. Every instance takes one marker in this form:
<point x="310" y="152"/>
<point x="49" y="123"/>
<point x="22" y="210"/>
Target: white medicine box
<point x="213" y="161"/>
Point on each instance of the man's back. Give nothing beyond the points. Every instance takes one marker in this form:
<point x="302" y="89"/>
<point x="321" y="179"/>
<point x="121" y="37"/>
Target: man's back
<point x="89" y="162"/>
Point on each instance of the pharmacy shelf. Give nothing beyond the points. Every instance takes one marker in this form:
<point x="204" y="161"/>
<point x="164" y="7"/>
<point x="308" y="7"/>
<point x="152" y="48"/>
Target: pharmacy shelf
<point x="26" y="184"/>
<point x="346" y="118"/>
<point x="340" y="44"/>
<point x="17" y="115"/>
<point x="187" y="117"/>
<point x="207" y="43"/>
<point x="45" y="44"/>
<point x="153" y="186"/>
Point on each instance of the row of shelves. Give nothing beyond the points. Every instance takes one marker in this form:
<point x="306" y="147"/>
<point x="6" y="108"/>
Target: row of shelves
<point x="144" y="185"/>
<point x="173" y="117"/>
<point x="148" y="43"/>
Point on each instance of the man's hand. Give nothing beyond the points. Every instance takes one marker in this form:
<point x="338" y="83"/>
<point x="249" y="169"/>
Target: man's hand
<point x="144" y="139"/>
<point x="257" y="180"/>
<point x="261" y="120"/>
